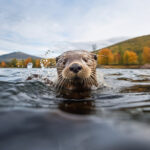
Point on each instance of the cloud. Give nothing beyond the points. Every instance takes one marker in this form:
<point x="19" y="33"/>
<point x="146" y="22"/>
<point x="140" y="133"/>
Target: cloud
<point x="2" y="52"/>
<point x="35" y="26"/>
<point x="55" y="48"/>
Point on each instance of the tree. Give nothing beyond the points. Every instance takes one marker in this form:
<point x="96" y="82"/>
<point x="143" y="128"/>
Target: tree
<point x="105" y="57"/>
<point x="28" y="60"/>
<point x="14" y="62"/>
<point x="3" y="64"/>
<point x="121" y="53"/>
<point x="23" y="63"/>
<point x="140" y="58"/>
<point x="19" y="64"/>
<point x="126" y="58"/>
<point x="116" y="58"/>
<point x="33" y="62"/>
<point x="130" y="58"/>
<point x="37" y="63"/>
<point x="146" y="55"/>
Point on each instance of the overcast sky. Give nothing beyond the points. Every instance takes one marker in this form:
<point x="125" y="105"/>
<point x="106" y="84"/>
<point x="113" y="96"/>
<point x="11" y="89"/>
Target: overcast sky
<point x="34" y="26"/>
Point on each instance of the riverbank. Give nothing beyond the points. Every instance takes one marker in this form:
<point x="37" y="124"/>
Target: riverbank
<point x="146" y="66"/>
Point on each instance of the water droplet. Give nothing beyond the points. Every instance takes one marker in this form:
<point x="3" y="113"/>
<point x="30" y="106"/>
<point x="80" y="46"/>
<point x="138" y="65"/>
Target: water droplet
<point x="29" y="66"/>
<point x="42" y="65"/>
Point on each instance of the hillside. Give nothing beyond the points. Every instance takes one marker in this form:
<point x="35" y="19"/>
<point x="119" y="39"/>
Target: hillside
<point x="136" y="44"/>
<point x="17" y="55"/>
<point x="134" y="51"/>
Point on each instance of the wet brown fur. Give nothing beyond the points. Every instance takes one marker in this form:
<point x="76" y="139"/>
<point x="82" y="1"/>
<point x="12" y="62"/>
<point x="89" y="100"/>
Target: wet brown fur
<point x="84" y="79"/>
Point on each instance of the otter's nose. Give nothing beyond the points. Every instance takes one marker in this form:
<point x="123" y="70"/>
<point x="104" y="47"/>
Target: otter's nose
<point x="75" y="68"/>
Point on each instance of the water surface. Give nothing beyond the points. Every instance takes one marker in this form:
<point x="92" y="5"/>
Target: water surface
<point x="127" y="90"/>
<point x="124" y="104"/>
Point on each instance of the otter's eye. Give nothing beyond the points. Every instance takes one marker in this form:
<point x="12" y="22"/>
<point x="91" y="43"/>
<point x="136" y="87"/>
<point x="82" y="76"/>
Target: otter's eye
<point x="64" y="61"/>
<point x="57" y="58"/>
<point x="85" y="59"/>
<point x="95" y="57"/>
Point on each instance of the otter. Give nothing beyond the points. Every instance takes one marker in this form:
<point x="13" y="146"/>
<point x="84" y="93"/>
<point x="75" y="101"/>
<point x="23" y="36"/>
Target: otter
<point x="76" y="70"/>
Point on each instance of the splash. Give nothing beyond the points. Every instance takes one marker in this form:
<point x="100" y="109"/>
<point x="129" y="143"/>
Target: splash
<point x="42" y="65"/>
<point x="48" y="54"/>
<point x="45" y="71"/>
<point x="29" y="65"/>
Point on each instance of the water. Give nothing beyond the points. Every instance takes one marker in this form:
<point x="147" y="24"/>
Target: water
<point x="127" y="90"/>
<point x="124" y="104"/>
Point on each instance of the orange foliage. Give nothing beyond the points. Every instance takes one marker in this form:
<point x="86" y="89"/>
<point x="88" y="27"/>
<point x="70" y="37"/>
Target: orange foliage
<point x="51" y="62"/>
<point x="130" y="58"/>
<point x="146" y="55"/>
<point x="3" y="64"/>
<point x="28" y="60"/>
<point x="105" y="57"/>
<point x="37" y="63"/>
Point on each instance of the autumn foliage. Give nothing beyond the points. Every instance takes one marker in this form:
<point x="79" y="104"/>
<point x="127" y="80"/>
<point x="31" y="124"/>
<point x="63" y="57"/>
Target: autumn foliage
<point x="28" y="60"/>
<point x="3" y="64"/>
<point x="23" y="63"/>
<point x="105" y="57"/>
<point x="146" y="55"/>
<point x="37" y="63"/>
<point x="129" y="57"/>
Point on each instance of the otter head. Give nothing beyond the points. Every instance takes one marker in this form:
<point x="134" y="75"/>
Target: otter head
<point x="76" y="70"/>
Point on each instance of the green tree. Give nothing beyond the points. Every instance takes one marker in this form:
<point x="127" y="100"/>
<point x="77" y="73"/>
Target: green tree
<point x="14" y="62"/>
<point x="146" y="55"/>
<point x="121" y="53"/>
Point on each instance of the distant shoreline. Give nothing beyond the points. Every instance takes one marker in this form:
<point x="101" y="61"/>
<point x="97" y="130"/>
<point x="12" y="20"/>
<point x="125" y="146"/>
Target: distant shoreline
<point x="147" y="66"/>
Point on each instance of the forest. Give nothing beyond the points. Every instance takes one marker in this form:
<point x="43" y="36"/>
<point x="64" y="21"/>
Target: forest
<point x="37" y="63"/>
<point x="106" y="56"/>
<point x="128" y="57"/>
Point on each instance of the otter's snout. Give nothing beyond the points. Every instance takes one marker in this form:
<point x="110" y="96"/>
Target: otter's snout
<point x="75" y="68"/>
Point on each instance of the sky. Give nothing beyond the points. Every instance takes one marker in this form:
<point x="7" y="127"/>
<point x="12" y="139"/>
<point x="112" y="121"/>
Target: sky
<point x="36" y="26"/>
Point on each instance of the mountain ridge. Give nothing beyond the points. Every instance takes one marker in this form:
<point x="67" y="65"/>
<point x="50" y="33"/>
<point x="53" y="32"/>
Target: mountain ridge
<point x="134" y="44"/>
<point x="17" y="55"/>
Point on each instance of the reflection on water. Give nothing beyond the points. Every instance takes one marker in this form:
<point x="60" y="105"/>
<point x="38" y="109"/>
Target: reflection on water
<point x="77" y="107"/>
<point x="66" y="94"/>
<point x="136" y="89"/>
<point x="132" y="80"/>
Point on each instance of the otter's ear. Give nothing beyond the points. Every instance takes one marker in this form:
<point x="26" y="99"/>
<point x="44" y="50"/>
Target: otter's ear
<point x="95" y="56"/>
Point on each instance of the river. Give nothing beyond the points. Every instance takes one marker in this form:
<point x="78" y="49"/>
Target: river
<point x="34" y="115"/>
